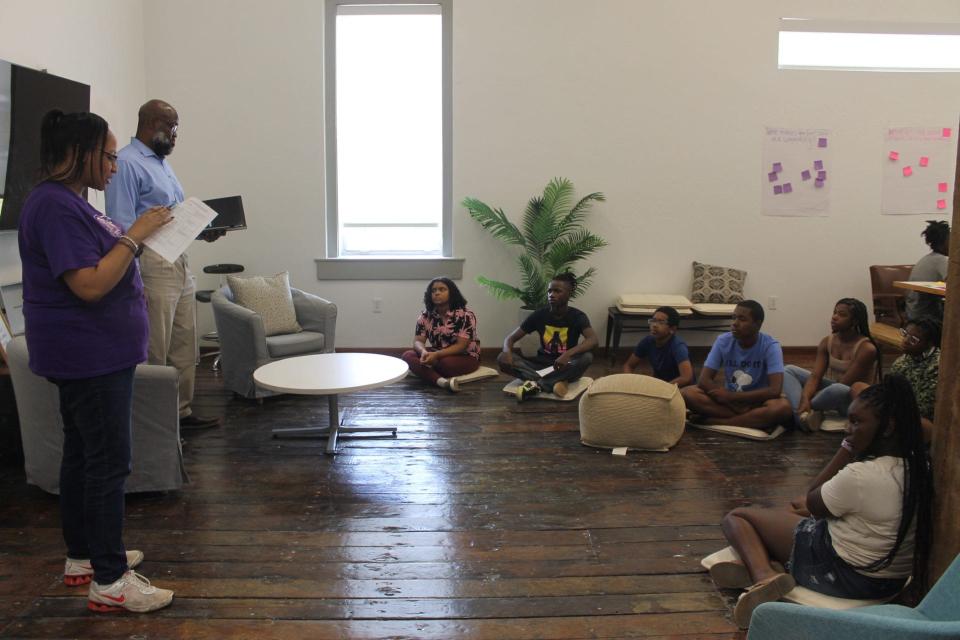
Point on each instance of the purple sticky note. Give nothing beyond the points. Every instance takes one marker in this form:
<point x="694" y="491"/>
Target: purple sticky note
<point x="817" y="165"/>
<point x="941" y="204"/>
<point x="778" y="167"/>
<point x="822" y="142"/>
<point x="942" y="187"/>
<point x="805" y="174"/>
<point x="924" y="161"/>
<point x="907" y="171"/>
<point x="894" y="155"/>
<point x="821" y="175"/>
<point x="772" y="176"/>
<point x="777" y="189"/>
<point x="787" y="187"/>
<point x="818" y="183"/>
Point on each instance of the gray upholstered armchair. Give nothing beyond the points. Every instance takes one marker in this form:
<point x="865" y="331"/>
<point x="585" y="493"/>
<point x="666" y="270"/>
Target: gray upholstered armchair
<point x="157" y="456"/>
<point x="244" y="347"/>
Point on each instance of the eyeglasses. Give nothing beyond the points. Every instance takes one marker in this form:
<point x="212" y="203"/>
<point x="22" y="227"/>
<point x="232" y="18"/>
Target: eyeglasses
<point x="654" y="322"/>
<point x="112" y="157"/>
<point x="172" y="127"/>
<point x="909" y="337"/>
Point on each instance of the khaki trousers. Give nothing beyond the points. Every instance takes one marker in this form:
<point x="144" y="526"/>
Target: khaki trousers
<point x="171" y="311"/>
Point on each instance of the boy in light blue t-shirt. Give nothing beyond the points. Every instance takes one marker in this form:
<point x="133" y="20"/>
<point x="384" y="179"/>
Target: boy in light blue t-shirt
<point x="750" y="393"/>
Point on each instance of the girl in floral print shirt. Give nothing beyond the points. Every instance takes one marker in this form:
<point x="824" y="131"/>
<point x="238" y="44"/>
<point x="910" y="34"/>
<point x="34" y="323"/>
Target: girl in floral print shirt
<point x="450" y="329"/>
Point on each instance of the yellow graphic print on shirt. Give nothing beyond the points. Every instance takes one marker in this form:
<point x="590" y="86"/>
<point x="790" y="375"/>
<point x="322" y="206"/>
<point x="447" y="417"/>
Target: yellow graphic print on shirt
<point x="554" y="340"/>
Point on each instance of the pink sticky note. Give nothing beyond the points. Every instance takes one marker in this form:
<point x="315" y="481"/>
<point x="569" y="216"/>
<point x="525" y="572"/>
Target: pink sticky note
<point x="805" y="174"/>
<point x="778" y="167"/>
<point x="821" y="175"/>
<point x="947" y="132"/>
<point x="818" y="183"/>
<point x="777" y="189"/>
<point x="822" y="142"/>
<point x="787" y="188"/>
<point x="942" y="187"/>
<point x="924" y="161"/>
<point x="907" y="172"/>
<point x="817" y="165"/>
<point x="772" y="176"/>
<point x="941" y="204"/>
<point x="894" y="155"/>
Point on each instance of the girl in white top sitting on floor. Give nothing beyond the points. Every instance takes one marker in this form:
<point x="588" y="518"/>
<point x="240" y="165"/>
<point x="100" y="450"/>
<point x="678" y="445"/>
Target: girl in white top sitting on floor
<point x="867" y="527"/>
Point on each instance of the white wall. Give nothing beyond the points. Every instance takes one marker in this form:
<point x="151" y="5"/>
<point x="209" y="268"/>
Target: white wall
<point x="99" y="44"/>
<point x="661" y="105"/>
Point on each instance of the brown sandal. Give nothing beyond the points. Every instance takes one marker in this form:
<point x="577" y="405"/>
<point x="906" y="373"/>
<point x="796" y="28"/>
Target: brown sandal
<point x="770" y="590"/>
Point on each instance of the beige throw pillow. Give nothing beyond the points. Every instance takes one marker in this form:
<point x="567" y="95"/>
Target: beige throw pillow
<point x="719" y="285"/>
<point x="270" y="297"/>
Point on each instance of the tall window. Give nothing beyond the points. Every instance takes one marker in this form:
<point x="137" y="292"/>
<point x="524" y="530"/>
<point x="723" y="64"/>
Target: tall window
<point x="388" y="128"/>
<point x="868" y="46"/>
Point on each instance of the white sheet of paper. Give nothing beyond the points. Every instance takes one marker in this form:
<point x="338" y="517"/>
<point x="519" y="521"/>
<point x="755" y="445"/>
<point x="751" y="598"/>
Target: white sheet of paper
<point x="190" y="217"/>
<point x="546" y="370"/>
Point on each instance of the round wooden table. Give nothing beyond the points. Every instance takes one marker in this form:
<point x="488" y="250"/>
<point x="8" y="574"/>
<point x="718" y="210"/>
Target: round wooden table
<point x="330" y="374"/>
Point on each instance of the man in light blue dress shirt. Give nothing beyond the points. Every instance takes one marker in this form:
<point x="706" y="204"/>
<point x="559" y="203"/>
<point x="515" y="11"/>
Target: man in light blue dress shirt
<point x="145" y="179"/>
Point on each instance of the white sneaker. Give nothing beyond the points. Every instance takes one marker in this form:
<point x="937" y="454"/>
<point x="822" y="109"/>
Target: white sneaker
<point x="80" y="572"/>
<point x="132" y="592"/>
<point x="453" y="385"/>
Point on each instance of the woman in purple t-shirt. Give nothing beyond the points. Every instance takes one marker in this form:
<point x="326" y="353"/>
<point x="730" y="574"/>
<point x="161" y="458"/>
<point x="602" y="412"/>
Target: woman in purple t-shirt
<point x="451" y="330"/>
<point x="86" y="331"/>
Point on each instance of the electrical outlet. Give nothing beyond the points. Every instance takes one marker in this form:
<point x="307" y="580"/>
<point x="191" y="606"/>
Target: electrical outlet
<point x="772" y="303"/>
<point x="377" y="305"/>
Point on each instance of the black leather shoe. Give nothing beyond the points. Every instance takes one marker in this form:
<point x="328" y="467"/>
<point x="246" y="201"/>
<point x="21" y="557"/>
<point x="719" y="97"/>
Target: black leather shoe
<point x="195" y="422"/>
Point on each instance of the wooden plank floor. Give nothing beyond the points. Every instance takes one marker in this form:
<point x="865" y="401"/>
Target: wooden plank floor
<point x="482" y="519"/>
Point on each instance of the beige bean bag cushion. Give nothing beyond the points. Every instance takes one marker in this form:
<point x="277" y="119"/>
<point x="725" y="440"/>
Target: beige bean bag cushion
<point x="633" y="411"/>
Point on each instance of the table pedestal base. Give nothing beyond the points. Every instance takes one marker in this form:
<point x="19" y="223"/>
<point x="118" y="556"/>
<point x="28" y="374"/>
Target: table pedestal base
<point x="333" y="431"/>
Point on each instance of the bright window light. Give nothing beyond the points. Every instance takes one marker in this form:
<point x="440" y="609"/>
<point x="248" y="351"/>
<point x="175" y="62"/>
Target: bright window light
<point x="389" y="131"/>
<point x="814" y="44"/>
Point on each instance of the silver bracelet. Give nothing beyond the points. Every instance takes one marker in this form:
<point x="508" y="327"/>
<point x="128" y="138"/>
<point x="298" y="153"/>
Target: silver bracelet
<point x="131" y="244"/>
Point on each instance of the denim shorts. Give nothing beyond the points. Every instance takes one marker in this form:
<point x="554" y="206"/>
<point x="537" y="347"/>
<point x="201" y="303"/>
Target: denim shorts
<point x="814" y="564"/>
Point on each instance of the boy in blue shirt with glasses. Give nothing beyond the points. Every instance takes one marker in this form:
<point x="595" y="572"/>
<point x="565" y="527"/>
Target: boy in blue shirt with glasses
<point x="664" y="349"/>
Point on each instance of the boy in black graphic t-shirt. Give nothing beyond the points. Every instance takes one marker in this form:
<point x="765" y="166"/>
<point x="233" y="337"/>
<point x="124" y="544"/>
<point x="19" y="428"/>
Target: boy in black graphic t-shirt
<point x="560" y="327"/>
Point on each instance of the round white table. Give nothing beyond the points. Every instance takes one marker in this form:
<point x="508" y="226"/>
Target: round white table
<point x="330" y="374"/>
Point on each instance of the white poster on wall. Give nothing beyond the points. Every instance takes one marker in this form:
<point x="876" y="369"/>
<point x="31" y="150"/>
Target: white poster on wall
<point x="795" y="179"/>
<point x="918" y="170"/>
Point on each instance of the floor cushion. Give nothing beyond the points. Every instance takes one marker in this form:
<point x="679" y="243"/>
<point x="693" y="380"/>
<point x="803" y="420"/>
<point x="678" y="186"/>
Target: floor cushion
<point x="633" y="411"/>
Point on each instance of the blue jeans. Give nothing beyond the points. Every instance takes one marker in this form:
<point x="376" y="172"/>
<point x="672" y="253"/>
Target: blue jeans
<point x="97" y="415"/>
<point x="815" y="565"/>
<point x="526" y="369"/>
<point x="829" y="395"/>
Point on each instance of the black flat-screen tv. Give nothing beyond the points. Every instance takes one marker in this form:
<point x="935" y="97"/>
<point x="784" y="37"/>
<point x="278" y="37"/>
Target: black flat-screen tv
<point x="25" y="96"/>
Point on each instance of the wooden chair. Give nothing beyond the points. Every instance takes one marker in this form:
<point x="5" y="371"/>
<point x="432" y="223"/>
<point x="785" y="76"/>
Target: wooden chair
<point x="888" y="303"/>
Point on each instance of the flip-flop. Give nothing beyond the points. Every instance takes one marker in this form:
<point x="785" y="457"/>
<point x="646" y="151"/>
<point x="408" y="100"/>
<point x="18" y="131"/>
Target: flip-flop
<point x="770" y="590"/>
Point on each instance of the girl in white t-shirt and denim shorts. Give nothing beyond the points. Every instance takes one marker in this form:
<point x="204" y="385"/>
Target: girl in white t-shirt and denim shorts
<point x="864" y="527"/>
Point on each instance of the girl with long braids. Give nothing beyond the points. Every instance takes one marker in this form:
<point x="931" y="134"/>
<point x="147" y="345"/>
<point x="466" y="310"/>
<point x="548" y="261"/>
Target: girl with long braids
<point x="864" y="527"/>
<point x="845" y="357"/>
<point x="930" y="268"/>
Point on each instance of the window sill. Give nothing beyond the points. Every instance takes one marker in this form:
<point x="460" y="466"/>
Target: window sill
<point x="388" y="268"/>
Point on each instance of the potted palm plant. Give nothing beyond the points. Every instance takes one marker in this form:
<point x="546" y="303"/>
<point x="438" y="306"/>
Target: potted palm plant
<point x="552" y="239"/>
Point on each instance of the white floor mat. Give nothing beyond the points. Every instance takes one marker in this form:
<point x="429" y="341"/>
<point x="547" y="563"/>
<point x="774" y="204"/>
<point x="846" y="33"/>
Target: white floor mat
<point x="480" y="374"/>
<point x="799" y="595"/>
<point x="833" y="423"/>
<point x="573" y="392"/>
<point x="740" y="432"/>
